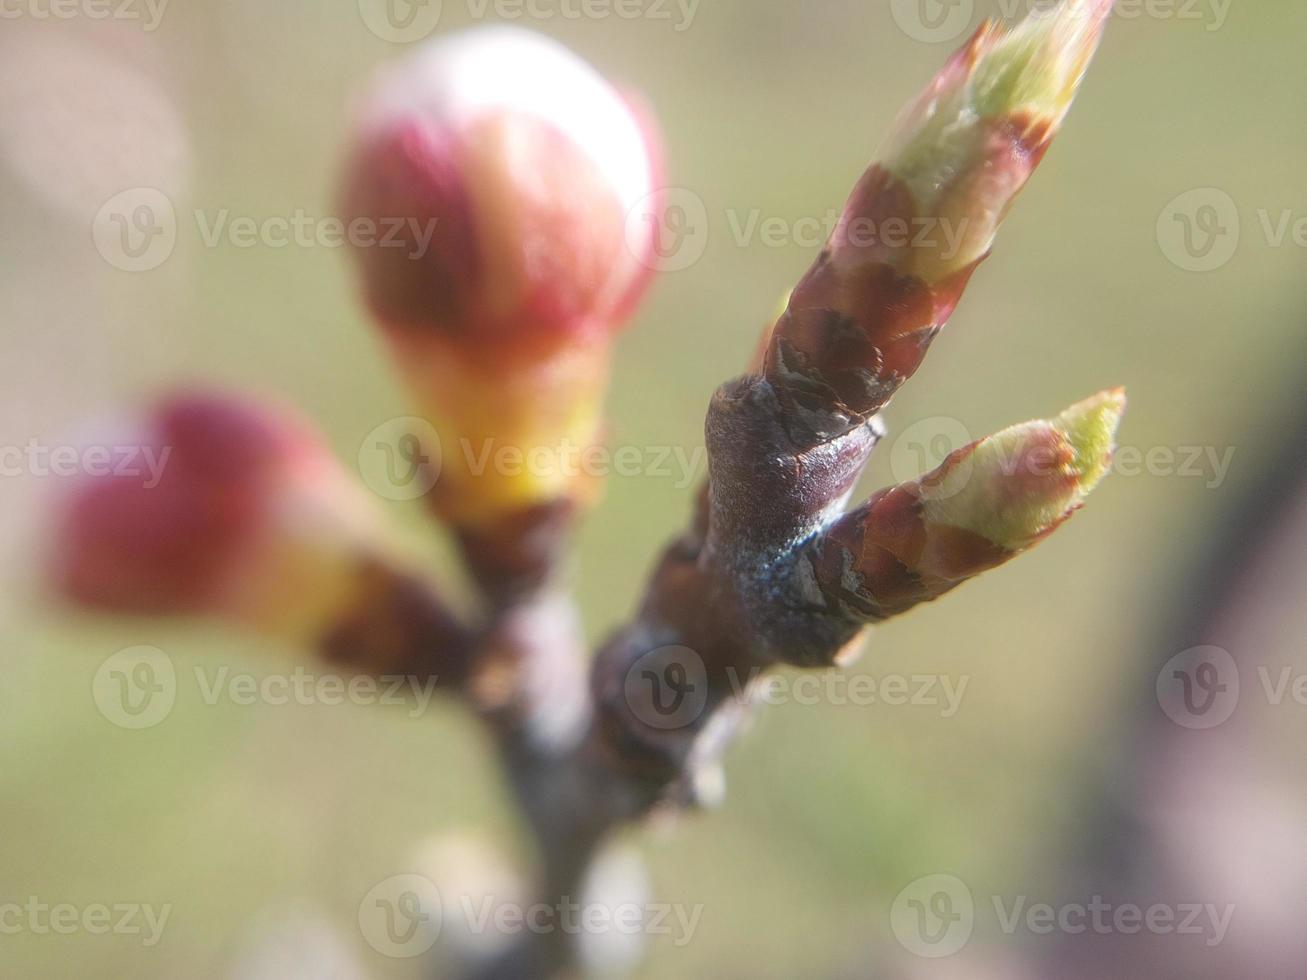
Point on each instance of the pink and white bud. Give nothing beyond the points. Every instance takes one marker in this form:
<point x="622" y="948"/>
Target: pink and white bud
<point x="247" y="516"/>
<point x="514" y="167"/>
<point x="516" y="177"/>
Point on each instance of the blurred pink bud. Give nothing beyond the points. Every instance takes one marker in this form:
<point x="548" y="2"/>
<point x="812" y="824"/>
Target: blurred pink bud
<point x="242" y="513"/>
<point x="507" y="169"/>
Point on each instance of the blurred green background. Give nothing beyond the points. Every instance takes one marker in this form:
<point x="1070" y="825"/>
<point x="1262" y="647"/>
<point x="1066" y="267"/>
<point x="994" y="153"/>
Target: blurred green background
<point x="239" y="817"/>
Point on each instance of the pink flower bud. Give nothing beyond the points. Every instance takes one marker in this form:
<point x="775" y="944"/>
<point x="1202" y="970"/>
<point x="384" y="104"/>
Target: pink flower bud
<point x="244" y="514"/>
<point x="507" y="168"/>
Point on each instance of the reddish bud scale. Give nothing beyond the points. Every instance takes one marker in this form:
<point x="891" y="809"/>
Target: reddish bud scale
<point x="922" y="219"/>
<point x="860" y="322"/>
<point x="986" y="504"/>
<point x="874" y="561"/>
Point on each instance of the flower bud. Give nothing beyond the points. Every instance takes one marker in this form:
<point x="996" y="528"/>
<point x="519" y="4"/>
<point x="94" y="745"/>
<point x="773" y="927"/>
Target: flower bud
<point x="926" y="214"/>
<point x="986" y="504"/>
<point x="1016" y="487"/>
<point x="510" y="170"/>
<point x="245" y="515"/>
<point x="970" y="142"/>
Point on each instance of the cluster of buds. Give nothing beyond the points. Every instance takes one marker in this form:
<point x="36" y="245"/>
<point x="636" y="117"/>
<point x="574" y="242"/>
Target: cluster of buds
<point x="526" y="180"/>
<point x="528" y="169"/>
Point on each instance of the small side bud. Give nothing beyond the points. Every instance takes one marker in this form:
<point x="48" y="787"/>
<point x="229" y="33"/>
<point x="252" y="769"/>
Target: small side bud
<point x="986" y="504"/>
<point x="510" y="170"/>
<point x="1017" y="486"/>
<point x="248" y="517"/>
